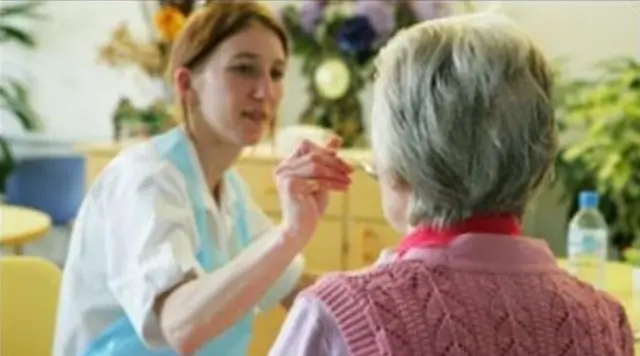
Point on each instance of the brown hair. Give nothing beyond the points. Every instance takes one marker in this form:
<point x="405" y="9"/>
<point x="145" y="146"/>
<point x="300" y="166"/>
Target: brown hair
<point x="211" y="25"/>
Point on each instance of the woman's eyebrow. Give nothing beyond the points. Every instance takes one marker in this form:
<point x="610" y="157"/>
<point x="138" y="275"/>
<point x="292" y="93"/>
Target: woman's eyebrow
<point x="255" y="56"/>
<point x="246" y="55"/>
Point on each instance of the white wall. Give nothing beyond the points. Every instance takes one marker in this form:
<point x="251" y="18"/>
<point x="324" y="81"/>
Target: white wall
<point x="73" y="92"/>
<point x="76" y="94"/>
<point x="582" y="31"/>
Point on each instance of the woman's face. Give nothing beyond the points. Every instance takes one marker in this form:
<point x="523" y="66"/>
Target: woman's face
<point x="239" y="88"/>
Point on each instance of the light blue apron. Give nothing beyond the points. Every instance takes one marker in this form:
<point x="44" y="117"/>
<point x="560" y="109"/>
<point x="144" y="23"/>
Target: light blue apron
<point x="120" y="339"/>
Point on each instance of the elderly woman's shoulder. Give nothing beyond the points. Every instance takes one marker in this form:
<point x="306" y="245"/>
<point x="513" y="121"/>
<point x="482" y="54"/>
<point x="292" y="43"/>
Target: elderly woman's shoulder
<point x="373" y="277"/>
<point x="593" y="297"/>
<point x="411" y="275"/>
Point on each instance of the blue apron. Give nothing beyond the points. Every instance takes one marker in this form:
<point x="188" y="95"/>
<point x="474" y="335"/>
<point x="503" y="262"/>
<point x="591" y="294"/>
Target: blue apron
<point x="120" y="339"/>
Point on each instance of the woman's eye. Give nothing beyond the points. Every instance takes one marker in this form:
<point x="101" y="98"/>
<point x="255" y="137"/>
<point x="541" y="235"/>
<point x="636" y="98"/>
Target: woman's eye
<point x="277" y="74"/>
<point x="248" y="70"/>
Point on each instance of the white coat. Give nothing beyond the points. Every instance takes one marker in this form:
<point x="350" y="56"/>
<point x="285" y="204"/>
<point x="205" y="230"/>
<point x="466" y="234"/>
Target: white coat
<point x="135" y="238"/>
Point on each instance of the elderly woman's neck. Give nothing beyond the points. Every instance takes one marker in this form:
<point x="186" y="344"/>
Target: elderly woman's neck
<point x="215" y="155"/>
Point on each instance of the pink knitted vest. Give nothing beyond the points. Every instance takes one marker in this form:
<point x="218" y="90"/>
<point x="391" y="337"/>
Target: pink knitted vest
<point x="510" y="300"/>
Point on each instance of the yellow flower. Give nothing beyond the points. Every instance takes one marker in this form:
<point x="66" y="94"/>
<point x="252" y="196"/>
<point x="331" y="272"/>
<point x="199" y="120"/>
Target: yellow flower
<point x="169" y="21"/>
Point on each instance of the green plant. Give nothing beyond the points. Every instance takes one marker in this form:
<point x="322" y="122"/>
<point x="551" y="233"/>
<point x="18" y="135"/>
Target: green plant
<point x="605" y="114"/>
<point x="11" y="32"/>
<point x="632" y="256"/>
<point x="129" y="120"/>
<point x="14" y="96"/>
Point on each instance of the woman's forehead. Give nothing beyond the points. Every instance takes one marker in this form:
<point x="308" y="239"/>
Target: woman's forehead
<point x="255" y="42"/>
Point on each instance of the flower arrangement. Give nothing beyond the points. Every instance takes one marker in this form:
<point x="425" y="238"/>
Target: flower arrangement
<point x="166" y="22"/>
<point x="336" y="41"/>
<point x="151" y="56"/>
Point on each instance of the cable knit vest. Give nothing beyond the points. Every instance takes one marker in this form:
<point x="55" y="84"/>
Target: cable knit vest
<point x="482" y="296"/>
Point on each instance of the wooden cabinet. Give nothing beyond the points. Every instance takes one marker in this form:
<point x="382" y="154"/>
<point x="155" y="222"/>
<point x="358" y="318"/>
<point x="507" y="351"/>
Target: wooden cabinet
<point x="266" y="328"/>
<point x="364" y="198"/>
<point x="325" y="251"/>
<point x="350" y="235"/>
<point x="366" y="240"/>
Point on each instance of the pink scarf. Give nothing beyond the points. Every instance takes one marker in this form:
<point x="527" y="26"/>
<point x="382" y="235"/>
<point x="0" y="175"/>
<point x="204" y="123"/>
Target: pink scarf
<point x="425" y="236"/>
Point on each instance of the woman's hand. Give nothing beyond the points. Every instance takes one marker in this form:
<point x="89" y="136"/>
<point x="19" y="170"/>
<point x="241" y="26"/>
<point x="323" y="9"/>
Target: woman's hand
<point x="304" y="181"/>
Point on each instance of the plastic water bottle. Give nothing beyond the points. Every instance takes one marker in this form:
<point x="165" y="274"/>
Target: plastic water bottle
<point x="588" y="241"/>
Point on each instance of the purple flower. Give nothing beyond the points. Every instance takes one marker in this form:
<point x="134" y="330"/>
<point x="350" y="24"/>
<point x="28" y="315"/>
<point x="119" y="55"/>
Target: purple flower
<point x="428" y="10"/>
<point x="310" y="15"/>
<point x="380" y="16"/>
<point x="356" y="36"/>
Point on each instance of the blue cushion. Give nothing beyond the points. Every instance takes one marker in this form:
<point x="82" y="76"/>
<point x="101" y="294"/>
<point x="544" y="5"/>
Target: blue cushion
<point x="54" y="185"/>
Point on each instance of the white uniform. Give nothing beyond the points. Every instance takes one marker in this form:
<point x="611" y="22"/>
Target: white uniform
<point x="134" y="238"/>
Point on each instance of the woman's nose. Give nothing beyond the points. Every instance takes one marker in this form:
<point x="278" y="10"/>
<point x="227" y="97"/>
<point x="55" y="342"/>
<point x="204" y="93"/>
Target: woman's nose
<point x="264" y="89"/>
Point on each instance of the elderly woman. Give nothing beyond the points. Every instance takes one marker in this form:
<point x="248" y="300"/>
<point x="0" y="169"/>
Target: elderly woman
<point x="463" y="134"/>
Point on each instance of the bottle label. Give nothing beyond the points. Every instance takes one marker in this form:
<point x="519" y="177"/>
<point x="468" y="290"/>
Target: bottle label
<point x="587" y="253"/>
<point x="588" y="241"/>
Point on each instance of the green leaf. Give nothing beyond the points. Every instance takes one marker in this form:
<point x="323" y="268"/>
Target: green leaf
<point x="15" y="98"/>
<point x="609" y="166"/>
<point x="5" y="152"/>
<point x="21" y="92"/>
<point x="26" y="9"/>
<point x="7" y="163"/>
<point x="10" y="33"/>
<point x="632" y="256"/>
<point x="573" y="153"/>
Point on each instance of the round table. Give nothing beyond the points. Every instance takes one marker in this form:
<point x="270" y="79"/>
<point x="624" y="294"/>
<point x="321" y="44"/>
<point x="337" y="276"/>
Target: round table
<point x="20" y="225"/>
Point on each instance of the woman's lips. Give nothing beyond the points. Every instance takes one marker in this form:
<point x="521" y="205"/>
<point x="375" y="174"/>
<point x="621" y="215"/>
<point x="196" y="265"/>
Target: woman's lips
<point x="255" y="115"/>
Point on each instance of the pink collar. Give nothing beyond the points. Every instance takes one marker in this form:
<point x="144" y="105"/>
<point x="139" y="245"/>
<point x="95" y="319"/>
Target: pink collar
<point x="425" y="236"/>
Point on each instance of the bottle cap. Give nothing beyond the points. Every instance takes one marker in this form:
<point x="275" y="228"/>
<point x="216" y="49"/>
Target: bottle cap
<point x="588" y="199"/>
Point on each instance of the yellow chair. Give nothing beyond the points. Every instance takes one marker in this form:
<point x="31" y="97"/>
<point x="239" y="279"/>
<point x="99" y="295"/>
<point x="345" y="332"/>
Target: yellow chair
<point x="28" y="301"/>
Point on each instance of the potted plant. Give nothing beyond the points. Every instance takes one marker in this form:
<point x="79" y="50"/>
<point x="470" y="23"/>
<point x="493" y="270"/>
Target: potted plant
<point x="14" y="95"/>
<point x="131" y="122"/>
<point x="599" y="120"/>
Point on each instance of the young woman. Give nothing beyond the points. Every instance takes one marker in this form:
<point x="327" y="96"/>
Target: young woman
<point x="169" y="253"/>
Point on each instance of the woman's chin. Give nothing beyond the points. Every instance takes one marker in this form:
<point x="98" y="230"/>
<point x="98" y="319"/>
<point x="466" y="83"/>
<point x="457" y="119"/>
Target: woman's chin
<point x="252" y="141"/>
<point x="252" y="138"/>
<point x="252" y="134"/>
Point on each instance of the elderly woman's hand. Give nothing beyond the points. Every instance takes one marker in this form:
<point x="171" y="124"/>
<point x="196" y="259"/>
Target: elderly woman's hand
<point x="304" y="181"/>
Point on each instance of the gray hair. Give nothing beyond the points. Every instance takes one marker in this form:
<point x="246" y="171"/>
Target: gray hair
<point x="463" y="117"/>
